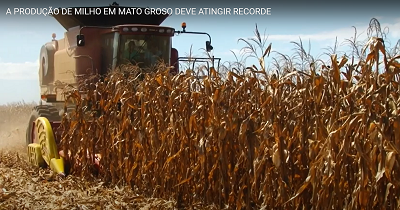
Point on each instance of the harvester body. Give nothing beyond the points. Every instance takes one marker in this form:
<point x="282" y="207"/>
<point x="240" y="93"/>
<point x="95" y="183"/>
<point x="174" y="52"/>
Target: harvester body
<point x="92" y="45"/>
<point x="107" y="42"/>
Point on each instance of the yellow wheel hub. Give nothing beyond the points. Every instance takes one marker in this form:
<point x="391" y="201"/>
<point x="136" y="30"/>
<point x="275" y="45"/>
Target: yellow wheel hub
<point x="48" y="148"/>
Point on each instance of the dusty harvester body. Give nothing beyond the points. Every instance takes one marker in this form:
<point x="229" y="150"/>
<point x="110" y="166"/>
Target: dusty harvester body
<point x="92" y="45"/>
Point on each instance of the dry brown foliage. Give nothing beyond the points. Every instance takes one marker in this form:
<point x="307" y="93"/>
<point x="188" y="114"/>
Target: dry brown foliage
<point x="317" y="139"/>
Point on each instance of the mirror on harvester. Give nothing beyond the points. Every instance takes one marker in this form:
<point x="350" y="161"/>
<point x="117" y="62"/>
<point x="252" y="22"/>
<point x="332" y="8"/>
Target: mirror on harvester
<point x="80" y="40"/>
<point x="208" y="46"/>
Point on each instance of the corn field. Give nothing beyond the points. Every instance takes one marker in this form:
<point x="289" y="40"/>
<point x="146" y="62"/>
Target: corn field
<point x="324" y="137"/>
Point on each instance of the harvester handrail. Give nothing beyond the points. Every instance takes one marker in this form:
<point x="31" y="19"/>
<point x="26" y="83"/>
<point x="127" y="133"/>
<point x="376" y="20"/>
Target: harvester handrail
<point x="199" y="59"/>
<point x="192" y="32"/>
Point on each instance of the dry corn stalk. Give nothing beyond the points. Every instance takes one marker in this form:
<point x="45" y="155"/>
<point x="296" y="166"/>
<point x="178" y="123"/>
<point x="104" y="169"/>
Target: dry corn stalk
<point x="303" y="141"/>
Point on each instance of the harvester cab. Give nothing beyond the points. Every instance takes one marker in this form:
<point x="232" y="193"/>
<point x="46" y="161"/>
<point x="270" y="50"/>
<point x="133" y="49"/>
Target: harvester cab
<point x="92" y="45"/>
<point x="143" y="44"/>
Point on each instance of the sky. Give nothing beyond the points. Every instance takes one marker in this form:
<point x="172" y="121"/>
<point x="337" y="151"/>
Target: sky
<point x="22" y="36"/>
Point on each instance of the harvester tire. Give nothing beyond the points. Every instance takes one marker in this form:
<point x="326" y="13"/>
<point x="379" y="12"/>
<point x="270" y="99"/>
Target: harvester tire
<point x="48" y="111"/>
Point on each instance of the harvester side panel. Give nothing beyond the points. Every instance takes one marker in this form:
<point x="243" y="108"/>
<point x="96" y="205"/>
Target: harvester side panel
<point x="90" y="60"/>
<point x="72" y="64"/>
<point x="61" y="63"/>
<point x="65" y="63"/>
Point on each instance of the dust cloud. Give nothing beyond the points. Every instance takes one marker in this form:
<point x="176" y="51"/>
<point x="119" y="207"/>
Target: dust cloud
<point x="13" y="123"/>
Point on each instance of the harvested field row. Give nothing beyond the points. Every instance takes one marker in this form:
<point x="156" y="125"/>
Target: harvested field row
<point x="25" y="188"/>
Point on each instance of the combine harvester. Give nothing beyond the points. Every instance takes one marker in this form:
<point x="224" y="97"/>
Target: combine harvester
<point x="92" y="45"/>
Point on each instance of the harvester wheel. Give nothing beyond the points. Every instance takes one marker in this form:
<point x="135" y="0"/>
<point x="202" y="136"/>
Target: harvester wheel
<point x="47" y="111"/>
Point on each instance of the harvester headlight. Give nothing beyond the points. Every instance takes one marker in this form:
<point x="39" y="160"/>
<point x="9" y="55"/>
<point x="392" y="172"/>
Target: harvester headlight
<point x="125" y="29"/>
<point x="168" y="30"/>
<point x="161" y="30"/>
<point x="144" y="29"/>
<point x="134" y="29"/>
